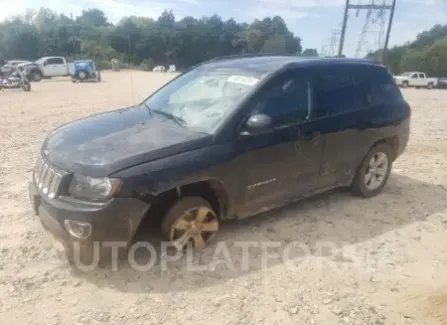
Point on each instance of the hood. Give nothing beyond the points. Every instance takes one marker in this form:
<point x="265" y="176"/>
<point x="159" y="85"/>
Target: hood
<point x="400" y="77"/>
<point x="105" y="143"/>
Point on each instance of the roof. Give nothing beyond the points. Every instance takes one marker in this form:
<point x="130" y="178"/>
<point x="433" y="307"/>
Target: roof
<point x="270" y="63"/>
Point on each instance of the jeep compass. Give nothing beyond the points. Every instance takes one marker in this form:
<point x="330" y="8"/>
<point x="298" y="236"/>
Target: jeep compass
<point x="229" y="138"/>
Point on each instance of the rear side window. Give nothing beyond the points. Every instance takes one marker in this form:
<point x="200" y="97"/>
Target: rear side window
<point x="333" y="87"/>
<point x="374" y="85"/>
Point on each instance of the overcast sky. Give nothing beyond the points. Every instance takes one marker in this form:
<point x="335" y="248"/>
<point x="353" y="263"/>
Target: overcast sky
<point x="312" y="20"/>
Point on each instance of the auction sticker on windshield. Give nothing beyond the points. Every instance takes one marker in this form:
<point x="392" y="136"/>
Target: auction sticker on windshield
<point x="244" y="80"/>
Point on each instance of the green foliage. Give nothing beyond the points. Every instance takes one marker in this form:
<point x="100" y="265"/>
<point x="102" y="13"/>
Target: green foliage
<point x="140" y="41"/>
<point x="428" y="53"/>
<point x="310" y="53"/>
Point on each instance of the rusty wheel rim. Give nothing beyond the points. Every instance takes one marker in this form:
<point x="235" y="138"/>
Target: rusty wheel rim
<point x="196" y="226"/>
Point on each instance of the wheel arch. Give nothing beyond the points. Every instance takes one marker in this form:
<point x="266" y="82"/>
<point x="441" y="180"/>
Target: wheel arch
<point x="393" y="141"/>
<point x="212" y="190"/>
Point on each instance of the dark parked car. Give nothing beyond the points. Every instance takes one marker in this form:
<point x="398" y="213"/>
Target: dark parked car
<point x="229" y="138"/>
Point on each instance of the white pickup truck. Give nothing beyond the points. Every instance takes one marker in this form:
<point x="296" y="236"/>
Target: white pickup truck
<point x="415" y="79"/>
<point x="54" y="66"/>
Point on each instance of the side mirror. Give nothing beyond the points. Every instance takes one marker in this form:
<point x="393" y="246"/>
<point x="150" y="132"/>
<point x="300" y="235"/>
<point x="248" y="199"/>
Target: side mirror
<point x="259" y="124"/>
<point x="45" y="64"/>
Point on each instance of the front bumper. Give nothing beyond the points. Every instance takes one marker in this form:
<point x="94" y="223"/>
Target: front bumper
<point x="112" y="223"/>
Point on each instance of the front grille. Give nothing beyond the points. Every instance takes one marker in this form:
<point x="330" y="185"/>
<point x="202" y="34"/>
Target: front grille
<point x="47" y="178"/>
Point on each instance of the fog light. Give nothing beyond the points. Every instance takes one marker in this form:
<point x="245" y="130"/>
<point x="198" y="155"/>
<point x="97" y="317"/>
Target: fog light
<point x="78" y="229"/>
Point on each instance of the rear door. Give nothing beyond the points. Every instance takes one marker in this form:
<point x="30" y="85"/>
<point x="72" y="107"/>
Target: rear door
<point x="337" y="113"/>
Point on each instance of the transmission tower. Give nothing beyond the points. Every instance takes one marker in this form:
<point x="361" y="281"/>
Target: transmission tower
<point x="373" y="18"/>
<point x="376" y="11"/>
<point x="330" y="50"/>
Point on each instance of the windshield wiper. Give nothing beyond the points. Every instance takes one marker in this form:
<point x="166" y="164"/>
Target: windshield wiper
<point x="171" y="116"/>
<point x="148" y="108"/>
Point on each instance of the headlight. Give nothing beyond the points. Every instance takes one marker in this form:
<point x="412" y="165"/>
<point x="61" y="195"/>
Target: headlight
<point x="93" y="189"/>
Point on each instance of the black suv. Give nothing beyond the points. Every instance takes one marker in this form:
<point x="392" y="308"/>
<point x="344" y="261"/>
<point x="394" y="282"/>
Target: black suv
<point x="229" y="138"/>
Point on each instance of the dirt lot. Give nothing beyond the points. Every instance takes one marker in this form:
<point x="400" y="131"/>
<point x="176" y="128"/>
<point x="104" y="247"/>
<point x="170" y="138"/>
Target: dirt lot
<point x="386" y="262"/>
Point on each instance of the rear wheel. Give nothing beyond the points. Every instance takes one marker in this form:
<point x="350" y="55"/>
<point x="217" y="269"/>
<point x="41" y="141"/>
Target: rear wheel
<point x="190" y="220"/>
<point x="373" y="173"/>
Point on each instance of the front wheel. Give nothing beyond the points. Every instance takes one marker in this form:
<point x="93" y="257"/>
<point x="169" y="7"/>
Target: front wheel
<point x="405" y="84"/>
<point x="190" y="220"/>
<point x="373" y="173"/>
<point x="430" y="86"/>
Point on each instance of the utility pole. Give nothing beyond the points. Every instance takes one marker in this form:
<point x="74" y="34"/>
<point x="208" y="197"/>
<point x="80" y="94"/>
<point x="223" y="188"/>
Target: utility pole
<point x="343" y="29"/>
<point x="388" y="33"/>
<point x="372" y="7"/>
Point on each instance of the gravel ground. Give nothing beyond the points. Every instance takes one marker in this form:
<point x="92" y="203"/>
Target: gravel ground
<point x="362" y="261"/>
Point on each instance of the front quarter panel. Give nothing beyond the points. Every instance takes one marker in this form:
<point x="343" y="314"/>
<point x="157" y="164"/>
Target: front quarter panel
<point x="214" y="162"/>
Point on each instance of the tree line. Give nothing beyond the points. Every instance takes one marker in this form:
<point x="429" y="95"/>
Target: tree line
<point x="428" y="53"/>
<point x="146" y="42"/>
<point x="141" y="40"/>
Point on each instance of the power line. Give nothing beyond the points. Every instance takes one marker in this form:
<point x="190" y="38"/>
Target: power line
<point x="375" y="15"/>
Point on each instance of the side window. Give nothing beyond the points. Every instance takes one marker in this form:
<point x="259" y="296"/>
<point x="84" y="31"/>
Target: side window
<point x="374" y="85"/>
<point x="334" y="91"/>
<point x="421" y="76"/>
<point x="55" y="61"/>
<point x="287" y="100"/>
<point x="363" y="87"/>
<point x="414" y="76"/>
<point x="384" y="87"/>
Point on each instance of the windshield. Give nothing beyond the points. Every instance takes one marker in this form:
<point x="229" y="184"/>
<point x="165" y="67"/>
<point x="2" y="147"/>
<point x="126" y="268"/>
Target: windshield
<point x="202" y="98"/>
<point x="406" y="74"/>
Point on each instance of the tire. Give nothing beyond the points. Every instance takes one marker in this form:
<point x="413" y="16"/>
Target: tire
<point x="430" y="86"/>
<point x="82" y="75"/>
<point x="35" y="76"/>
<point x="191" y="219"/>
<point x="405" y="84"/>
<point x="360" y="183"/>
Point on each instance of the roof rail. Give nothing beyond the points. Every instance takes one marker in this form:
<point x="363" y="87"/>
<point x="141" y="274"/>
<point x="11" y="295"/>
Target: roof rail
<point x="236" y="56"/>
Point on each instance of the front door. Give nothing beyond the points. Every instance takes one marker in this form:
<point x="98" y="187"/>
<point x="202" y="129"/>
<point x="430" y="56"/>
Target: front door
<point x="283" y="164"/>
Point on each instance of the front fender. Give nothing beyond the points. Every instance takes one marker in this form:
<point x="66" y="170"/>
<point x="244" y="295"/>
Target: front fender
<point x="152" y="178"/>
